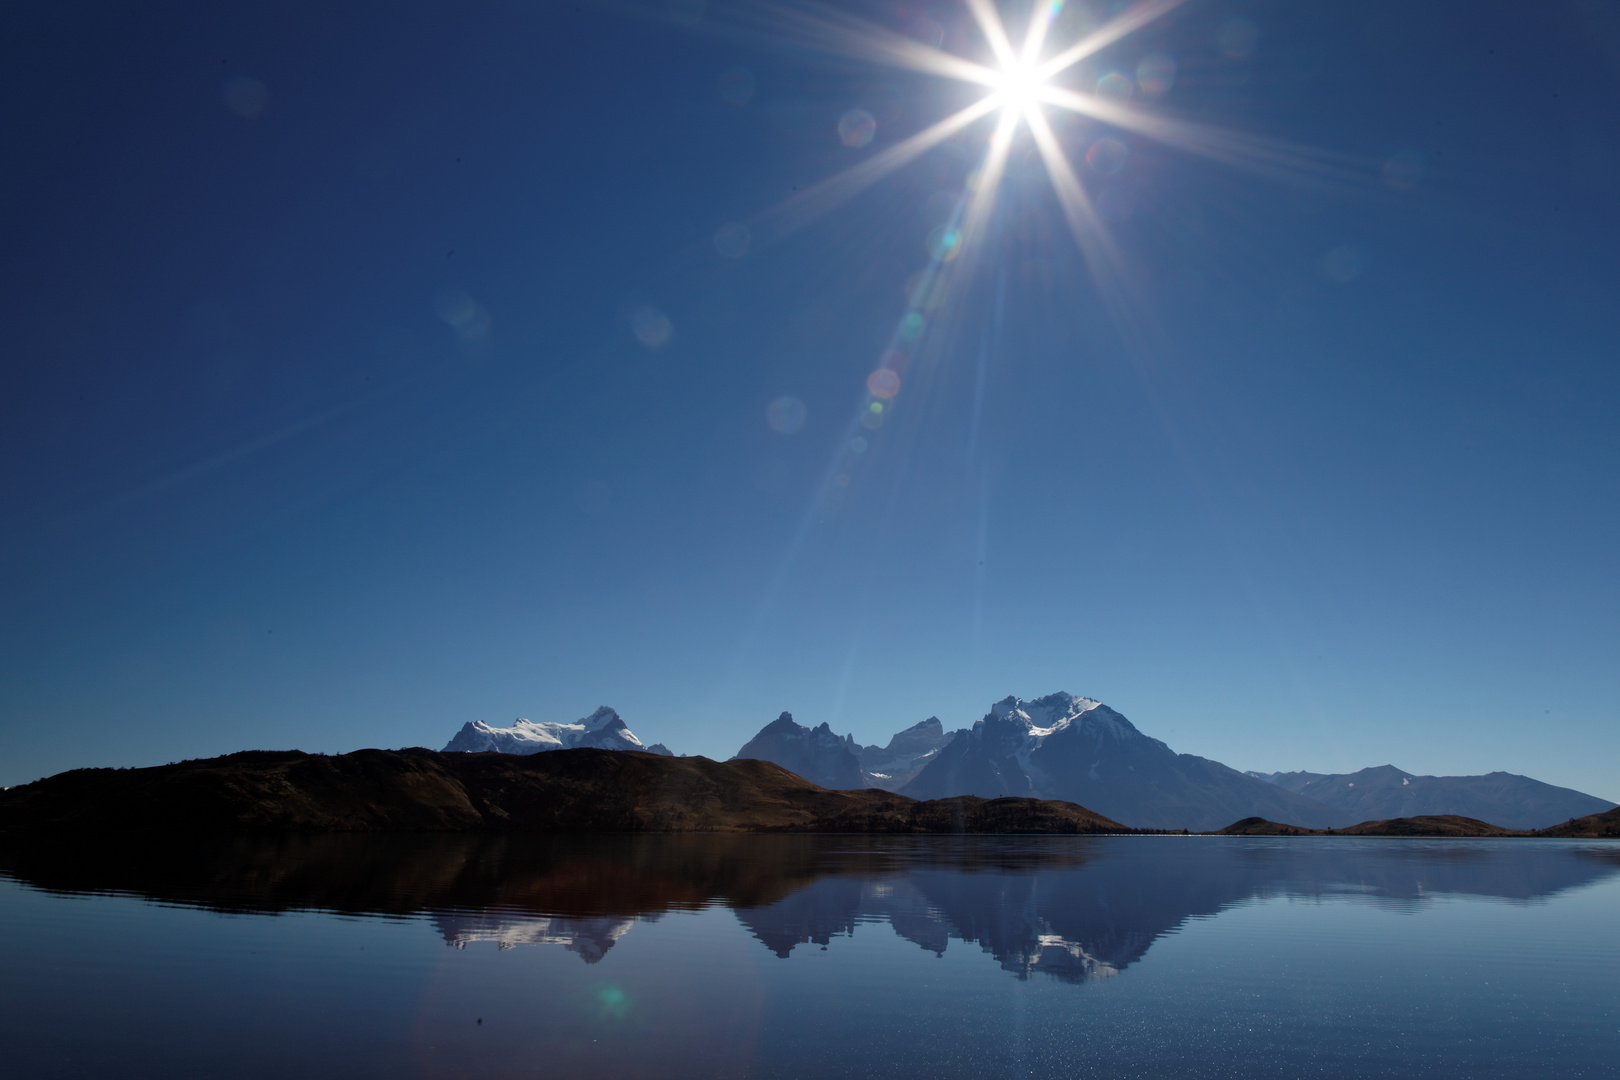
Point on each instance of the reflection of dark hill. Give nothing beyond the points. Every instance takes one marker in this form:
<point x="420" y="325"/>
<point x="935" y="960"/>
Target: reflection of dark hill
<point x="1077" y="908"/>
<point x="582" y="790"/>
<point x="1436" y="825"/>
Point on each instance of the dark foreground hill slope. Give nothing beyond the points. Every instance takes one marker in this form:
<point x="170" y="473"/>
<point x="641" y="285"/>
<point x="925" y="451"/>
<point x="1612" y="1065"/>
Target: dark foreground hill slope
<point x="417" y="790"/>
<point x="1604" y="826"/>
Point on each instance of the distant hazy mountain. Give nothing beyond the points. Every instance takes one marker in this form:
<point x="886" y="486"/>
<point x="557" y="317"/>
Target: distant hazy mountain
<point x="1077" y="749"/>
<point x="1505" y="799"/>
<point x="824" y="759"/>
<point x="838" y="761"/>
<point x="602" y="729"/>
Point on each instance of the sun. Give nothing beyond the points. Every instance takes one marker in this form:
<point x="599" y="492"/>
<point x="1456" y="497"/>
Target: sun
<point x="1018" y="86"/>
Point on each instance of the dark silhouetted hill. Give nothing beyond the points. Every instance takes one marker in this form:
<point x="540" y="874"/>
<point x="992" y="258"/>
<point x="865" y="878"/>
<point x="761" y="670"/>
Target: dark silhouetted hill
<point x="418" y="790"/>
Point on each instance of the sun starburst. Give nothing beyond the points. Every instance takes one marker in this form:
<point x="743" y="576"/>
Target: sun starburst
<point x="1024" y="85"/>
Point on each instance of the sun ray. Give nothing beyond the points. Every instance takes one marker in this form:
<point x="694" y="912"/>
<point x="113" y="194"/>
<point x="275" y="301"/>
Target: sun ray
<point x="1102" y="257"/>
<point x="798" y="210"/>
<point x="989" y="20"/>
<point x="840" y="34"/>
<point x="1125" y="23"/>
<point x="1233" y="148"/>
<point x="977" y="216"/>
<point x="1040" y="21"/>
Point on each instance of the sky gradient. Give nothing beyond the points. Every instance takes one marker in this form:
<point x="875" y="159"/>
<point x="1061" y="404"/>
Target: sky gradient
<point x="373" y="370"/>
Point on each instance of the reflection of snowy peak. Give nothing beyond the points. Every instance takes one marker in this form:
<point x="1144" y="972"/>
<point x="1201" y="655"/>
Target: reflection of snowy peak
<point x="591" y="938"/>
<point x="1005" y="919"/>
<point x="602" y="729"/>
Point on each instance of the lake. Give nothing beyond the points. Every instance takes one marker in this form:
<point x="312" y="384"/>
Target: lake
<point x="811" y="956"/>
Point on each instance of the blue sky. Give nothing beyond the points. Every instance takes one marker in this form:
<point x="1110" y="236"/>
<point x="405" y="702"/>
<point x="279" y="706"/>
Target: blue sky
<point x="374" y="370"/>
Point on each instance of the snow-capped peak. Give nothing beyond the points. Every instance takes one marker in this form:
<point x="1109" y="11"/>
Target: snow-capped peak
<point x="1045" y="716"/>
<point x="603" y="729"/>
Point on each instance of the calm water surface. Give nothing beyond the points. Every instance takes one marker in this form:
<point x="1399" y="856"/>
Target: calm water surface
<point x="739" y="956"/>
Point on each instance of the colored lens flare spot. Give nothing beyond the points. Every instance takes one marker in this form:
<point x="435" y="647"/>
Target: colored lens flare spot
<point x="883" y="383"/>
<point x="651" y="327"/>
<point x="911" y="327"/>
<point x="856" y="128"/>
<point x="944" y="243"/>
<point x="896" y="361"/>
<point x="1116" y="86"/>
<point x="1107" y="156"/>
<point x="614" y="1002"/>
<point x="786" y="414"/>
<point x="1155" y="74"/>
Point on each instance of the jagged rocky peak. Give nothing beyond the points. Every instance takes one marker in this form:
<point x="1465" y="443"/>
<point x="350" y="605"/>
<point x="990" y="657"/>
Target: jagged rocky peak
<point x="921" y="737"/>
<point x="816" y="754"/>
<point x="782" y="725"/>
<point x="603" y="729"/>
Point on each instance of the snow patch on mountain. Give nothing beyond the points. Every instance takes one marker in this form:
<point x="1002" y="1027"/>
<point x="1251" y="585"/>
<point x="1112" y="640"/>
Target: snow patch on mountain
<point x="1043" y="717"/>
<point x="603" y="729"/>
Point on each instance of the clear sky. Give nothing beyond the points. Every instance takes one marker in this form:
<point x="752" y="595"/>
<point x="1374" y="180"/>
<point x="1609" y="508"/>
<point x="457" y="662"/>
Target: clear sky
<point x="370" y="369"/>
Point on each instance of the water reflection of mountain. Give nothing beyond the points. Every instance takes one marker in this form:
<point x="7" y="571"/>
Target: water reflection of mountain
<point x="1077" y="908"/>
<point x="1097" y="912"/>
<point x="590" y="938"/>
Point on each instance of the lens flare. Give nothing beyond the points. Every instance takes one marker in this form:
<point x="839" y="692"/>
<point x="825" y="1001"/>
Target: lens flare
<point x="856" y="128"/>
<point x="1106" y="156"/>
<point x="883" y="383"/>
<point x="651" y="327"/>
<point x="786" y="414"/>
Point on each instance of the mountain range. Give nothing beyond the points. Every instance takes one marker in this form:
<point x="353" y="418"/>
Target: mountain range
<point x="1502" y="798"/>
<point x="1076" y="749"/>
<point x="1079" y="750"/>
